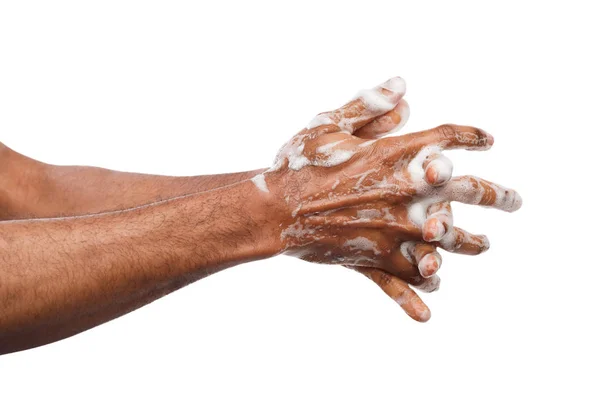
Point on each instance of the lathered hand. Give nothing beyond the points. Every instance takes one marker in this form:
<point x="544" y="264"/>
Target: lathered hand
<point x="373" y="203"/>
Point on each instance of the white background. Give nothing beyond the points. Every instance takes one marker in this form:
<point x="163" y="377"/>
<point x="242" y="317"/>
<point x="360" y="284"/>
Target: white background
<point x="185" y="88"/>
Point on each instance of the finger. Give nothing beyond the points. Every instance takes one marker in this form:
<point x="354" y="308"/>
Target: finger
<point x="386" y="124"/>
<point x="462" y="242"/>
<point x="473" y="190"/>
<point x="429" y="285"/>
<point x="368" y="105"/>
<point x="450" y="136"/>
<point x="401" y="263"/>
<point x="391" y="193"/>
<point x="439" y="221"/>
<point x="438" y="169"/>
<point x="404" y="265"/>
<point x="423" y="255"/>
<point x="444" y="137"/>
<point x="400" y="292"/>
<point x="343" y="221"/>
<point x="428" y="259"/>
<point x="438" y="227"/>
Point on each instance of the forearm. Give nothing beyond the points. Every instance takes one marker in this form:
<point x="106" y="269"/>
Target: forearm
<point x="85" y="190"/>
<point x="33" y="189"/>
<point x="63" y="276"/>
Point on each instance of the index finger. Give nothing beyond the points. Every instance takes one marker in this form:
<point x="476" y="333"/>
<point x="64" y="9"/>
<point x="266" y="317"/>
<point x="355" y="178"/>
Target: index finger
<point x="399" y="291"/>
<point x="444" y="137"/>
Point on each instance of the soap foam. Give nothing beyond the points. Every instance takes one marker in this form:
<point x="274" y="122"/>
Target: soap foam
<point x="296" y="158"/>
<point x="408" y="251"/>
<point x="369" y="214"/>
<point x="362" y="243"/>
<point x="375" y="101"/>
<point x="396" y="84"/>
<point x="321" y="119"/>
<point x="430" y="284"/>
<point x="333" y="158"/>
<point x="415" y="166"/>
<point x="261" y="184"/>
<point x="443" y="166"/>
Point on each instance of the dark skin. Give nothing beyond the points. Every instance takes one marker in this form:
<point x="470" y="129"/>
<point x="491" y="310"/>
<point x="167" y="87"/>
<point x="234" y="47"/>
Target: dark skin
<point x="38" y="190"/>
<point x="63" y="276"/>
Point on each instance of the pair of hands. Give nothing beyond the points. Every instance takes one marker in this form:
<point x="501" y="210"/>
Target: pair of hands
<point x="379" y="205"/>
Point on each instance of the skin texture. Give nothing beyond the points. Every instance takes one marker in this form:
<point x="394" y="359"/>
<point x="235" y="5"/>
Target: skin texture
<point x="62" y="276"/>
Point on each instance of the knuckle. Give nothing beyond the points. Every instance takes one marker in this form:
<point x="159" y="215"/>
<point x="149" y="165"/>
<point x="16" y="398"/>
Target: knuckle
<point x="383" y="279"/>
<point x="384" y="146"/>
<point x="446" y="130"/>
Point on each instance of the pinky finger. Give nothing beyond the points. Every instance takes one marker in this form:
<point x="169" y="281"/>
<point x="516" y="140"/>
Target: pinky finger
<point x="400" y="292"/>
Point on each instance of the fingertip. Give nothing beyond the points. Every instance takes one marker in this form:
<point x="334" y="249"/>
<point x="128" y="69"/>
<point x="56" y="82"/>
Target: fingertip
<point x="395" y="84"/>
<point x="485" y="246"/>
<point x="517" y="202"/>
<point x="404" y="111"/>
<point x="439" y="171"/>
<point x="424" y="315"/>
<point x="429" y="265"/>
<point x="507" y="199"/>
<point x="421" y="313"/>
<point x="433" y="230"/>
<point x="415" y="308"/>
<point x="412" y="305"/>
<point x="490" y="139"/>
<point x="431" y="175"/>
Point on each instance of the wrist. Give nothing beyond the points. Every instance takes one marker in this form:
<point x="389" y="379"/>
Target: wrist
<point x="252" y="221"/>
<point x="269" y="213"/>
<point x="282" y="203"/>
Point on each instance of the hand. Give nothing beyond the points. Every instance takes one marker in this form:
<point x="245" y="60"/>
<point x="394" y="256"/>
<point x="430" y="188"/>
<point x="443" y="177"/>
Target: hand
<point x="357" y="202"/>
<point x="455" y="240"/>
